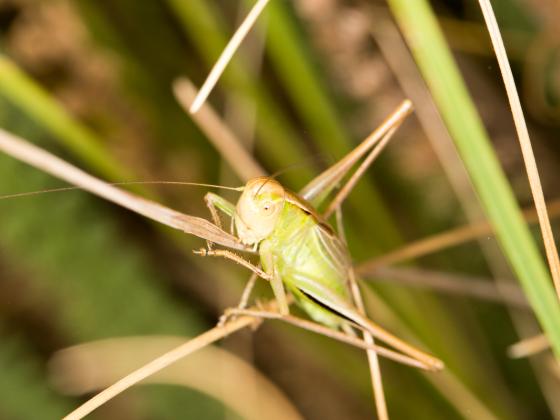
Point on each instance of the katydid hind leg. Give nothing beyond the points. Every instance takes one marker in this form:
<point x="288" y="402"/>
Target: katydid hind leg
<point x="320" y="187"/>
<point x="349" y="338"/>
<point x="359" y="173"/>
<point x="385" y="336"/>
<point x="345" y="310"/>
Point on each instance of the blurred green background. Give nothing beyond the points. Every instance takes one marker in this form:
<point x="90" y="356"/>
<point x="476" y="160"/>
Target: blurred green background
<point x="90" y="80"/>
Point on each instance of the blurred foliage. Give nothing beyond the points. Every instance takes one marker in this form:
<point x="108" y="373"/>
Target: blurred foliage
<point x="91" y="81"/>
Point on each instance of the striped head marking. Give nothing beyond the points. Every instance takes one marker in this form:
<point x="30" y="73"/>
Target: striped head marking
<point x="258" y="209"/>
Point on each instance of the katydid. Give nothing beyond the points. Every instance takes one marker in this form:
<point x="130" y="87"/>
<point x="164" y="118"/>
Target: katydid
<point x="299" y="250"/>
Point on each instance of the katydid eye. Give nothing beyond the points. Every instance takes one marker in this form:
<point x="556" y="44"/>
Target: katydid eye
<point x="268" y="208"/>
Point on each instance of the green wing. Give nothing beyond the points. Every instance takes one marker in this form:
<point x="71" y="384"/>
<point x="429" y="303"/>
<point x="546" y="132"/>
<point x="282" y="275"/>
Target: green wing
<point x="318" y="276"/>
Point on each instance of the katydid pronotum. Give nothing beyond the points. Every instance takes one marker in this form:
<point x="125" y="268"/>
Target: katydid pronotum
<point x="297" y="247"/>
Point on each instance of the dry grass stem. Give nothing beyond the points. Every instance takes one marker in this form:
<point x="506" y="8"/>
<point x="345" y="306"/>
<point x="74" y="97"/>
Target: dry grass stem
<point x="456" y="284"/>
<point x="240" y="110"/>
<point x="223" y="139"/>
<point x="45" y="161"/>
<point x="529" y="347"/>
<point x="443" y="240"/>
<point x="525" y="142"/>
<point x="160" y="363"/>
<point x="227" y="55"/>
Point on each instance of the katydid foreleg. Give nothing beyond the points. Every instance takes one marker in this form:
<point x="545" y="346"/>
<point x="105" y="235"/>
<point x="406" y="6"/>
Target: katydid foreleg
<point x="224" y="253"/>
<point x="214" y="203"/>
<point x="270" y="275"/>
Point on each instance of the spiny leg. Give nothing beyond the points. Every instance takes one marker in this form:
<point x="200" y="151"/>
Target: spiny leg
<point x="214" y="203"/>
<point x="273" y="277"/>
<point x="321" y="186"/>
<point x="224" y="253"/>
<point x="351" y="183"/>
<point x="257" y="272"/>
<point x="329" y="332"/>
<point x="243" y="302"/>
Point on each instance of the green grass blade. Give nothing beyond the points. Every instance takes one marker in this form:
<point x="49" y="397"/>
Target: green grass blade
<point x="433" y="56"/>
<point x="30" y="97"/>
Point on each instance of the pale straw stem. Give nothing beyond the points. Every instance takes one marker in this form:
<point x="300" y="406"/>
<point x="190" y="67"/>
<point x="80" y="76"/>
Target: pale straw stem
<point x="525" y="142"/>
<point x="227" y="55"/>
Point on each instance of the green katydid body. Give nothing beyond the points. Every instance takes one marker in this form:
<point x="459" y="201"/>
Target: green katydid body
<point x="296" y="246"/>
<point x="310" y="260"/>
<point x="300" y="251"/>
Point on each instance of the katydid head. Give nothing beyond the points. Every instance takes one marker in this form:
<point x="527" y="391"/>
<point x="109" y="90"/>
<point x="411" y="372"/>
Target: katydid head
<point x="258" y="209"/>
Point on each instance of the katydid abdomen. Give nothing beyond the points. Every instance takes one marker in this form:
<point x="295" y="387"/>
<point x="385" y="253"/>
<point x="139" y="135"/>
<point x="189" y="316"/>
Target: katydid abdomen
<point x="310" y="260"/>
